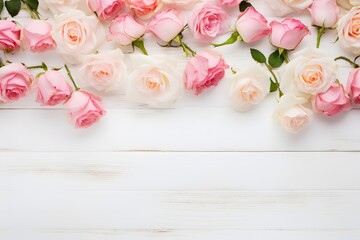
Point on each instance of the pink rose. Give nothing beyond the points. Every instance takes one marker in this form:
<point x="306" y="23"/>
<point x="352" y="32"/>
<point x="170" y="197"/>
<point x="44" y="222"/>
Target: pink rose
<point x="15" y="82"/>
<point x="52" y="88"/>
<point x="203" y="71"/>
<point x="84" y="108"/>
<point x="106" y="9"/>
<point x="327" y="18"/>
<point x="142" y="7"/>
<point x="333" y="101"/>
<point x="353" y="86"/>
<point x="287" y="34"/>
<point x="125" y="29"/>
<point x="252" y="25"/>
<point x="230" y="3"/>
<point x="37" y="36"/>
<point x="167" y="24"/>
<point x="208" y="21"/>
<point x="9" y="36"/>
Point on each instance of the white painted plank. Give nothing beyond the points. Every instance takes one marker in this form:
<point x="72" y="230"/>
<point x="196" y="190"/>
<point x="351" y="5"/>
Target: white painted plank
<point x="178" y="171"/>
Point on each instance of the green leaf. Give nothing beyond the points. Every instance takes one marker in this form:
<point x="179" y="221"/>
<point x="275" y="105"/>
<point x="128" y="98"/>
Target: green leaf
<point x="1" y="5"/>
<point x="232" y="39"/>
<point x="276" y="59"/>
<point x="258" y="56"/>
<point x="33" y="4"/>
<point x="273" y="86"/>
<point x="244" y="5"/>
<point x="13" y="7"/>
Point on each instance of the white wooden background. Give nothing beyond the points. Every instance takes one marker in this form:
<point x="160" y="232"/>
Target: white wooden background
<point x="198" y="171"/>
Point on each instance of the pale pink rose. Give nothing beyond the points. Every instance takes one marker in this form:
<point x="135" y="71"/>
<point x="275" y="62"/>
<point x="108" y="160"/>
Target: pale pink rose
<point x="125" y="29"/>
<point x="286" y="7"/>
<point x="353" y="86"/>
<point x="106" y="9"/>
<point x="52" y="88"/>
<point x="252" y="25"/>
<point x="208" y="21"/>
<point x="288" y="34"/>
<point x="142" y="7"/>
<point x="167" y="24"/>
<point x="230" y="3"/>
<point x="9" y="36"/>
<point x="37" y="36"/>
<point x="327" y="18"/>
<point x="349" y="31"/>
<point x="333" y="101"/>
<point x="84" y="108"/>
<point x="203" y="71"/>
<point x="179" y="3"/>
<point x="15" y="82"/>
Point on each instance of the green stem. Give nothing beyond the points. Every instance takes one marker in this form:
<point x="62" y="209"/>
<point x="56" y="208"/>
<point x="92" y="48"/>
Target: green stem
<point x="353" y="64"/>
<point x="139" y="43"/>
<point x="42" y="66"/>
<point x="33" y="13"/>
<point x="71" y="78"/>
<point x="187" y="50"/>
<point x="321" y="31"/>
<point x="275" y="78"/>
<point x="1" y="63"/>
<point x="232" y="39"/>
<point x="285" y="55"/>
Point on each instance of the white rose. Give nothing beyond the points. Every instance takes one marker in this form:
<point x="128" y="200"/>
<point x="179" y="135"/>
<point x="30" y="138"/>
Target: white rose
<point x="286" y="7"/>
<point x="292" y="114"/>
<point x="179" y="3"/>
<point x="59" y="6"/>
<point x="103" y="71"/>
<point x="309" y="73"/>
<point x="249" y="87"/>
<point x="349" y="31"/>
<point x="76" y="34"/>
<point x="155" y="81"/>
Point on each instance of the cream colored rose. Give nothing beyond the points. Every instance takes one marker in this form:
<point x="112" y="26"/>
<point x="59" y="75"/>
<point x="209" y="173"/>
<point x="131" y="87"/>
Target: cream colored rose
<point x="155" y="81"/>
<point x="286" y="7"/>
<point x="348" y="4"/>
<point x="309" y="73"/>
<point x="179" y="3"/>
<point x="292" y="114"/>
<point x="103" y="71"/>
<point x="59" y="6"/>
<point x="249" y="87"/>
<point x="76" y="34"/>
<point x="349" y="31"/>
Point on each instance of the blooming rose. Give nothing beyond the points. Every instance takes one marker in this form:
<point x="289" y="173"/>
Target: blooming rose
<point x="252" y="25"/>
<point x="203" y="71"/>
<point x="179" y="3"/>
<point x="9" y="36"/>
<point x="349" y="31"/>
<point x="309" y="73"/>
<point x="292" y="114"/>
<point x="15" y="82"/>
<point x="287" y="34"/>
<point x="326" y="18"/>
<point x="286" y="7"/>
<point x="59" y="6"/>
<point x="333" y="101"/>
<point x="103" y="71"/>
<point x="167" y="24"/>
<point x="84" y="108"/>
<point x="155" y="81"/>
<point x="230" y="3"/>
<point x="353" y="86"/>
<point x="75" y="34"/>
<point x="208" y="20"/>
<point x="249" y="87"/>
<point x="52" y="88"/>
<point x="143" y="7"/>
<point x="348" y="4"/>
<point x="106" y="9"/>
<point x="125" y="29"/>
<point x="37" y="36"/>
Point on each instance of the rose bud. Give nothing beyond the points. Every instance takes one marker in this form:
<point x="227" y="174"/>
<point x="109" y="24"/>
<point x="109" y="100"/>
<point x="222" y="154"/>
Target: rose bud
<point x="203" y="71"/>
<point x="167" y="24"/>
<point x="142" y="7"/>
<point x="106" y="9"/>
<point x="321" y="18"/>
<point x="288" y="34"/>
<point x="84" y="108"/>
<point x="353" y="86"/>
<point x="230" y="3"/>
<point x="37" y="36"/>
<point x="125" y="29"/>
<point x="333" y="101"/>
<point x="15" y="82"/>
<point x="52" y="88"/>
<point x="10" y="36"/>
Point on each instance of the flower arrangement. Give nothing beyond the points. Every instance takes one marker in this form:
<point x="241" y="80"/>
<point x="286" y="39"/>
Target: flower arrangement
<point x="304" y="82"/>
